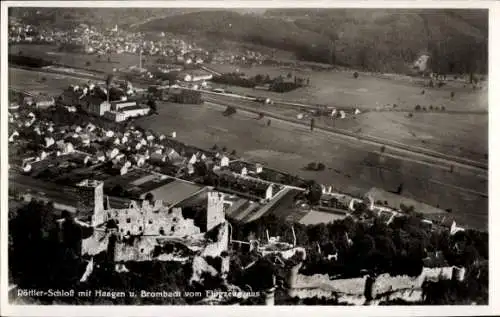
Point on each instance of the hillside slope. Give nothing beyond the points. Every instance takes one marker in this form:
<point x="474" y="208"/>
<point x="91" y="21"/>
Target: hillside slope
<point x="369" y="39"/>
<point x="379" y="40"/>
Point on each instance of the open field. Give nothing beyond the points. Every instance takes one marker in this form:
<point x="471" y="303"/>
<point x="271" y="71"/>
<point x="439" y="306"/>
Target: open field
<point x="340" y="89"/>
<point x="77" y="60"/>
<point x="464" y="135"/>
<point x="40" y="82"/>
<point x="351" y="166"/>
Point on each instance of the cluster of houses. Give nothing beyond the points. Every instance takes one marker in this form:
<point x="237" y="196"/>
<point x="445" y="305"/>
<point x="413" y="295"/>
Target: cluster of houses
<point x="25" y="33"/>
<point x="115" y="40"/>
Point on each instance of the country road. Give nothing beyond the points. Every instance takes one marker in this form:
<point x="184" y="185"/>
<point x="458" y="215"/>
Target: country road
<point x="436" y="158"/>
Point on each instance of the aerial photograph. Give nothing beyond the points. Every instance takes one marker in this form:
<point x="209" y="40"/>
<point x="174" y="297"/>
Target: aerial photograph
<point x="247" y="156"/>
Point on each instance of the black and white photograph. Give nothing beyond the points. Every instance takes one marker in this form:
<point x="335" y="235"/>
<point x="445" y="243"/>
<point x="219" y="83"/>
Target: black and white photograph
<point x="157" y="155"/>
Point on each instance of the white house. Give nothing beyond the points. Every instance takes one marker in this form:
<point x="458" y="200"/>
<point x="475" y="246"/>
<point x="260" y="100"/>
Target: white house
<point x="123" y="170"/>
<point x="258" y="168"/>
<point x="244" y="171"/>
<point x="173" y="155"/>
<point x="111" y="154"/>
<point x="224" y="161"/>
<point x="100" y="156"/>
<point x="193" y="159"/>
<point x="13" y="135"/>
<point x="43" y="155"/>
<point x="140" y="160"/>
<point x="90" y="127"/>
<point x="49" y="141"/>
<point x="85" y="140"/>
<point x="68" y="148"/>
<point x="269" y="192"/>
<point x="455" y="229"/>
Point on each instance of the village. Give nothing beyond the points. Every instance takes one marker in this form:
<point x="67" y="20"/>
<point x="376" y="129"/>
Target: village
<point x="230" y="228"/>
<point x="142" y="181"/>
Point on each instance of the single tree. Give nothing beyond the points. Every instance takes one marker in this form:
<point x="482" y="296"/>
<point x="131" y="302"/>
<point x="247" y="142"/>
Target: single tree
<point x="150" y="197"/>
<point x="314" y="193"/>
<point x="152" y="105"/>
<point x="400" y="189"/>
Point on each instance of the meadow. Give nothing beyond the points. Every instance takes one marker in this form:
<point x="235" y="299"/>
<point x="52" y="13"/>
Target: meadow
<point x="352" y="167"/>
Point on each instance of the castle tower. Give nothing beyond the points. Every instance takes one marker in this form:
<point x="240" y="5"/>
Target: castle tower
<point x="215" y="210"/>
<point x="91" y="193"/>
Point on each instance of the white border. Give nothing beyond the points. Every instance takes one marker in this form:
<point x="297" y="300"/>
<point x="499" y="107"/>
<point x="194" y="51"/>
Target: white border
<point x="494" y="170"/>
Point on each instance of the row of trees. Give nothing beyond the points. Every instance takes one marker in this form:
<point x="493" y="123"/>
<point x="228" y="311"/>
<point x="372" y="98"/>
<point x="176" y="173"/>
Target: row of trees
<point x="397" y="249"/>
<point x="278" y="84"/>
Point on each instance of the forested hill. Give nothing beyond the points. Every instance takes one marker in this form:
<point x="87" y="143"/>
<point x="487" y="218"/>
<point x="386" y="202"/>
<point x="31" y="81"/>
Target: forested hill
<point x="370" y="39"/>
<point x="378" y="40"/>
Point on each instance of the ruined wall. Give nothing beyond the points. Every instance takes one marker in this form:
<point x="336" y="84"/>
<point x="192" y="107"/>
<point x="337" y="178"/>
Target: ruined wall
<point x="96" y="243"/>
<point x="386" y="284"/>
<point x="384" y="287"/>
<point x="214" y="249"/>
<point x="139" y="249"/>
<point x="152" y="220"/>
<point x="199" y="267"/>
